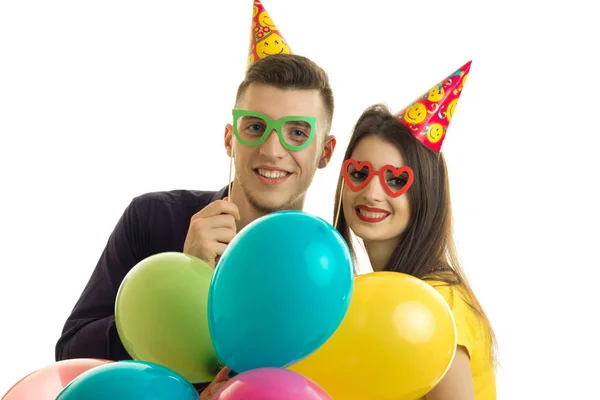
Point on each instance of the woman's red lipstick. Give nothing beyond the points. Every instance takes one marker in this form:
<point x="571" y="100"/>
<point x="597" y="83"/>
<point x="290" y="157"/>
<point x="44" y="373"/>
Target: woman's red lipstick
<point x="371" y="214"/>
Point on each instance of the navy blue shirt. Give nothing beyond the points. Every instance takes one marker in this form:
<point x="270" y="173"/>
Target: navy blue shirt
<point x="152" y="223"/>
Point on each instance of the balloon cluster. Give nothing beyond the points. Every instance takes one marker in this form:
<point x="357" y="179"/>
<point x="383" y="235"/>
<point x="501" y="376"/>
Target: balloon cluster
<point x="282" y="309"/>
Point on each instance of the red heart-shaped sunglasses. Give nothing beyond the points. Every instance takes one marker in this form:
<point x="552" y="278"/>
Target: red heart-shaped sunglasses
<point x="396" y="172"/>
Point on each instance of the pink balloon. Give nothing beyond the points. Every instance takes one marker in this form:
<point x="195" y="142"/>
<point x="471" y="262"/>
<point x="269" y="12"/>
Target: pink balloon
<point x="271" y="384"/>
<point x="47" y="383"/>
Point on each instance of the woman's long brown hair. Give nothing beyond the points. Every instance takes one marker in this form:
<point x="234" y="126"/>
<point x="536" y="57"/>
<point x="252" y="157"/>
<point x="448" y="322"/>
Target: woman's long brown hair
<point x="426" y="249"/>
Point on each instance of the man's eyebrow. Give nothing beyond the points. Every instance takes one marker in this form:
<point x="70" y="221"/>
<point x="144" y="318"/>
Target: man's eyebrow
<point x="303" y="123"/>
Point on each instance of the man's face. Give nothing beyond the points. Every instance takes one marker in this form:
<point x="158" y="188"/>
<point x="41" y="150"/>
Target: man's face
<point x="271" y="176"/>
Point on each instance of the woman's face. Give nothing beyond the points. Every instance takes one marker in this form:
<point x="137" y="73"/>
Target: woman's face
<point x="372" y="212"/>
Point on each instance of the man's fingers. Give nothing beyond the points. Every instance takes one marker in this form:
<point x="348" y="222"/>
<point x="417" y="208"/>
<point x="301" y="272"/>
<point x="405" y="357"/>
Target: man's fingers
<point x="216" y="384"/>
<point x="218" y="207"/>
<point x="202" y="227"/>
<point x="220" y="221"/>
<point x="223" y="235"/>
<point x="222" y="375"/>
<point x="218" y="248"/>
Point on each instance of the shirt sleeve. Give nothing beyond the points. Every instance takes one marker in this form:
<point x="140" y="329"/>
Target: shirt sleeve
<point x="90" y="330"/>
<point x="462" y="312"/>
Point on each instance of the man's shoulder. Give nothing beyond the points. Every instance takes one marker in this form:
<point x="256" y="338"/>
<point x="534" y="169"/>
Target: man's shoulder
<point x="182" y="198"/>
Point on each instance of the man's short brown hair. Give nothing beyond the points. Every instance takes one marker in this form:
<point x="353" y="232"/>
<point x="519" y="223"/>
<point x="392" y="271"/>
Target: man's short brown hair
<point x="290" y="71"/>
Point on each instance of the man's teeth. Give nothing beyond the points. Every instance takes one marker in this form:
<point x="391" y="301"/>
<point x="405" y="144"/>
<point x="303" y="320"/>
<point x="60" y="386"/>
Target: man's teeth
<point x="370" y="214"/>
<point x="272" y="174"/>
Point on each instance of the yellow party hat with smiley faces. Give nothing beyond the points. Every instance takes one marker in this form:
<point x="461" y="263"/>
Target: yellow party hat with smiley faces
<point x="265" y="38"/>
<point x="429" y="116"/>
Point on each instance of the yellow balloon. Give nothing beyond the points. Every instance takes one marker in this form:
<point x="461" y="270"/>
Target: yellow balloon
<point x="396" y="341"/>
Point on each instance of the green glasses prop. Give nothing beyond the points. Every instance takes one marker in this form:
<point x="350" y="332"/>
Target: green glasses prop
<point x="253" y="128"/>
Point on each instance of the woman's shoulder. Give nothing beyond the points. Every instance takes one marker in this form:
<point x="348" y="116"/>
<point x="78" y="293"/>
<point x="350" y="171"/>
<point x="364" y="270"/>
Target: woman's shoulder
<point x="472" y="332"/>
<point x="459" y="301"/>
<point x="471" y="327"/>
<point x="453" y="292"/>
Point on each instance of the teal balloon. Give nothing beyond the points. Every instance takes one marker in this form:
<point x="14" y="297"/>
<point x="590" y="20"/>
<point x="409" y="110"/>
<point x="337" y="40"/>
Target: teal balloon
<point x="126" y="380"/>
<point x="279" y="292"/>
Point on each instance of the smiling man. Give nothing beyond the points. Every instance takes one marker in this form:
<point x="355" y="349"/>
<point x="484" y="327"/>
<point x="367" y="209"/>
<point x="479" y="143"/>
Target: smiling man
<point x="278" y="137"/>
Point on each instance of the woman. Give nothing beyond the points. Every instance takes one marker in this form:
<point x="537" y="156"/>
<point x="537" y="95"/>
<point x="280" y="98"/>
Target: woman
<point x="405" y="222"/>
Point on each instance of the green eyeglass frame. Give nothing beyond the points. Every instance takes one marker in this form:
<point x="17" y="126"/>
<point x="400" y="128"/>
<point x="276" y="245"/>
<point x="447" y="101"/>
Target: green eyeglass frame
<point x="273" y="124"/>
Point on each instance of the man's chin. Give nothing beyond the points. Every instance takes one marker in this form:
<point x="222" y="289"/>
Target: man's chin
<point x="268" y="203"/>
<point x="269" y="206"/>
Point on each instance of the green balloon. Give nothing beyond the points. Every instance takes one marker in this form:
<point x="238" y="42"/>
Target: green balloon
<point x="161" y="315"/>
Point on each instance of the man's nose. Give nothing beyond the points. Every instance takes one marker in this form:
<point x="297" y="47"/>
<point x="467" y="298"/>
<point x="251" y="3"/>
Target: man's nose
<point x="272" y="147"/>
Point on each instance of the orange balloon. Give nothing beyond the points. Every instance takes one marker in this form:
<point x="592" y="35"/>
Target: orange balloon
<point x="47" y="383"/>
<point x="396" y="342"/>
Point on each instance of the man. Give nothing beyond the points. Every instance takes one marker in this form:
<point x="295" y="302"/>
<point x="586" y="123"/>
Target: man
<point x="274" y="169"/>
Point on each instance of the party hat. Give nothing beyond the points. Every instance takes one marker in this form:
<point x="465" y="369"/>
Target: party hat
<point x="428" y="116"/>
<point x="265" y="38"/>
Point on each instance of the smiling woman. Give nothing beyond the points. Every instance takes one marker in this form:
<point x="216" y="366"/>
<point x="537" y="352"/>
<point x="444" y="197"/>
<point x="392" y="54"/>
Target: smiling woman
<point x="364" y="204"/>
<point x="394" y="195"/>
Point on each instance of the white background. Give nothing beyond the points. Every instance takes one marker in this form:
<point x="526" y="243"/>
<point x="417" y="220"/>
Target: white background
<point x="103" y="101"/>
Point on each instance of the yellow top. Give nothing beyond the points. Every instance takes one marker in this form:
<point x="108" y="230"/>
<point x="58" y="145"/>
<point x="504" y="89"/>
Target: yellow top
<point x="474" y="336"/>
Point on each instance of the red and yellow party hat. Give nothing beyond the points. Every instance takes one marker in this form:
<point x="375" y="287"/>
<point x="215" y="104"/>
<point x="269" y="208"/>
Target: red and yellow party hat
<point x="265" y="38"/>
<point x="428" y="116"/>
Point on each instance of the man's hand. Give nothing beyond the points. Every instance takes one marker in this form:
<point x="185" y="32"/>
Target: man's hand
<point x="211" y="229"/>
<point x="212" y="389"/>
